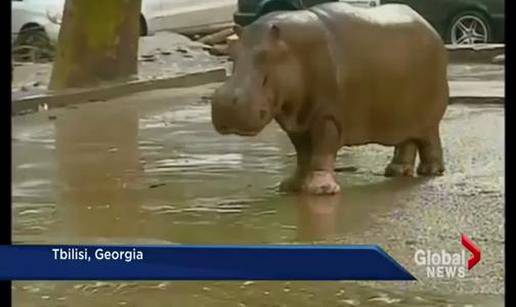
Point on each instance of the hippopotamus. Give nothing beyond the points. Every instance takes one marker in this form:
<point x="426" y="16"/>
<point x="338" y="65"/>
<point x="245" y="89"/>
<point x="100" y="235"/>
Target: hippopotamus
<point x="335" y="75"/>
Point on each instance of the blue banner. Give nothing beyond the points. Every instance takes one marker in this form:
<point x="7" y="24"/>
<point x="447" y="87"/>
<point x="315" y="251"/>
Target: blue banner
<point x="270" y="262"/>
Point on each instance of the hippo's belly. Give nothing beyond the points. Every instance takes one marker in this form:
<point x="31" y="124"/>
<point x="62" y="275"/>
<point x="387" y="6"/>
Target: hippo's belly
<point x="390" y="73"/>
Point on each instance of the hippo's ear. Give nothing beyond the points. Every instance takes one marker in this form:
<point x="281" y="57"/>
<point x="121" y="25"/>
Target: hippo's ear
<point x="275" y="31"/>
<point x="238" y="30"/>
<point x="234" y="48"/>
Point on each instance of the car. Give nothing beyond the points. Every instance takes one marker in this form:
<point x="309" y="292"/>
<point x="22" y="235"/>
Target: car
<point x="463" y="22"/>
<point x="250" y="10"/>
<point x="460" y="22"/>
<point x="37" y="20"/>
<point x="186" y="16"/>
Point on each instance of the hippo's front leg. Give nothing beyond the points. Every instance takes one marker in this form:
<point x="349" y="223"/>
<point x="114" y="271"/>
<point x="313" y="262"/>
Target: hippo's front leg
<point x="316" y="152"/>
<point x="302" y="144"/>
<point x="320" y="178"/>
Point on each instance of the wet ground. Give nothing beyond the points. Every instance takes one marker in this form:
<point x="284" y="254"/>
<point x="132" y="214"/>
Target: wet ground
<point x="476" y="72"/>
<point x="150" y="169"/>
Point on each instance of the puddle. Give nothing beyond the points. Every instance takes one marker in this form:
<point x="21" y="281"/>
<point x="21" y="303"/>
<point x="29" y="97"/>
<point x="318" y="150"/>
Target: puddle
<point x="149" y="168"/>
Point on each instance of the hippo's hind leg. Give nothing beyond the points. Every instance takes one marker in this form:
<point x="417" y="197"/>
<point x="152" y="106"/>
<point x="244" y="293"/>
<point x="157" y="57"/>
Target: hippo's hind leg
<point x="402" y="163"/>
<point x="430" y="154"/>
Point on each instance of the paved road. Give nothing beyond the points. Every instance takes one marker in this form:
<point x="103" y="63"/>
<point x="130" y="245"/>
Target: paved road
<point x="149" y="168"/>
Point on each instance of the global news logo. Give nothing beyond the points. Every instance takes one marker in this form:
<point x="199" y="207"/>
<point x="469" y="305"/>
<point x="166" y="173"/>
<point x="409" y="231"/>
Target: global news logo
<point x="443" y="264"/>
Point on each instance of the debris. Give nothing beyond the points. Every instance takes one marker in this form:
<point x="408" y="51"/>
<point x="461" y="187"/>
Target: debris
<point x="43" y="107"/>
<point x="216" y="38"/>
<point x="153" y="186"/>
<point x="499" y="59"/>
<point x="219" y="50"/>
<point x="231" y="39"/>
<point x="345" y="169"/>
<point x="148" y="57"/>
<point x="181" y="50"/>
<point x="205" y="99"/>
<point x="37" y="53"/>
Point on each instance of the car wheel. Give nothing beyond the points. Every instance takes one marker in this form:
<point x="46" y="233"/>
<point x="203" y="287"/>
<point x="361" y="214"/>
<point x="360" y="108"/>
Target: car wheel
<point x="143" y="26"/>
<point x="469" y="28"/>
<point x="32" y="44"/>
<point x="275" y="6"/>
<point x="32" y="35"/>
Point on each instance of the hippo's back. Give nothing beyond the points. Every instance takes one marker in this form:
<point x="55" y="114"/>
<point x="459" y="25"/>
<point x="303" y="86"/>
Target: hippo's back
<point x="388" y="24"/>
<point x="387" y="15"/>
<point x="390" y="69"/>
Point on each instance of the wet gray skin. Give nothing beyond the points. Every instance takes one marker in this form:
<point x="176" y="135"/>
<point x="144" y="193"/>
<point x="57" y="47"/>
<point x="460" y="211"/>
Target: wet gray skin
<point x="149" y="168"/>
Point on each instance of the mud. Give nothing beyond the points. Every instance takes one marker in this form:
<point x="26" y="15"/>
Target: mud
<point x="149" y="168"/>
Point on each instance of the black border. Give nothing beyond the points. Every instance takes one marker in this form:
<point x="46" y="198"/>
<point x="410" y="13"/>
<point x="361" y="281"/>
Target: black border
<point x="509" y="253"/>
<point x="5" y="211"/>
<point x="5" y="208"/>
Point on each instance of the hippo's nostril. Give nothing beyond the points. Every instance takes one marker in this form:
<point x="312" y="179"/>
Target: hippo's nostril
<point x="286" y="108"/>
<point x="234" y="101"/>
<point x="263" y="114"/>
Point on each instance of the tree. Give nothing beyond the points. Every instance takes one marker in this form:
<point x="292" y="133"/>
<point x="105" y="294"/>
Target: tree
<point x="98" y="41"/>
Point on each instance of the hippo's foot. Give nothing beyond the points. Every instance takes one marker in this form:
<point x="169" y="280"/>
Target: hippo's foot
<point x="291" y="184"/>
<point x="399" y="170"/>
<point x="321" y="183"/>
<point x="430" y="169"/>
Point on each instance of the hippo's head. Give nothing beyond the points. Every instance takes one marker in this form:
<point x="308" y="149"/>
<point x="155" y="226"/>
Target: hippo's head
<point x="251" y="97"/>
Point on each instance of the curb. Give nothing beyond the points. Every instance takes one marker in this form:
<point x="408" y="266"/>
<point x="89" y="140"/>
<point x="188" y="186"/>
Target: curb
<point x="77" y="96"/>
<point x="476" y="100"/>
<point x="477" y="92"/>
<point x="474" y="54"/>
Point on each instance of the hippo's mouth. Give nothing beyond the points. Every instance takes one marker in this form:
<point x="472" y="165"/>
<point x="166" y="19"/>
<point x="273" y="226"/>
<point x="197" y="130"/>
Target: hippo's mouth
<point x="226" y="131"/>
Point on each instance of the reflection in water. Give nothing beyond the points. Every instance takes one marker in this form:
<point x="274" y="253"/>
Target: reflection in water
<point x="317" y="216"/>
<point x="98" y="171"/>
<point x="203" y="188"/>
<point x="321" y="217"/>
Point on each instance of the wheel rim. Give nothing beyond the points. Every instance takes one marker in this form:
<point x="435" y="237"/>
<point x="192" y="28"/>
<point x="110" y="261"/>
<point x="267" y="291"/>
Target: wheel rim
<point x="33" y="37"/>
<point x="469" y="30"/>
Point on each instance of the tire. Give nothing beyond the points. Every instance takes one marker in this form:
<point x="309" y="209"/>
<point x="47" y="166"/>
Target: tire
<point x="276" y="6"/>
<point x="143" y="26"/>
<point x="469" y="27"/>
<point x="33" y="44"/>
<point x="32" y="35"/>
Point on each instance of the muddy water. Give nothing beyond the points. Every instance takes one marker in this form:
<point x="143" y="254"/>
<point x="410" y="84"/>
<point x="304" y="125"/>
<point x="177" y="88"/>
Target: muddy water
<point x="150" y="169"/>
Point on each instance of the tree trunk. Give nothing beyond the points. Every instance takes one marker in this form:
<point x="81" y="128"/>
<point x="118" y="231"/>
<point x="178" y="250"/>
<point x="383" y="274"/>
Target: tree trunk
<point x="98" y="41"/>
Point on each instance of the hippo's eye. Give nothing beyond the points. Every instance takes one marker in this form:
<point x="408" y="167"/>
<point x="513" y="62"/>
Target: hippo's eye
<point x="265" y="79"/>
